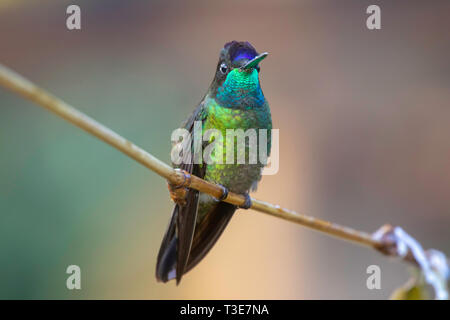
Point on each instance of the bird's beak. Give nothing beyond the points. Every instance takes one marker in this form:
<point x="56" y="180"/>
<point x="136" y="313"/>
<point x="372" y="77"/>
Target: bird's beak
<point x="254" y="62"/>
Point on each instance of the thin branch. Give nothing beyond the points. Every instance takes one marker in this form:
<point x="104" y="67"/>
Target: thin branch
<point x="16" y="83"/>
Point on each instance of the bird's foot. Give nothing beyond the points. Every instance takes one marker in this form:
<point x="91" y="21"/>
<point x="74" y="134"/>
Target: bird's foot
<point x="224" y="193"/>
<point x="177" y="194"/>
<point x="248" y="202"/>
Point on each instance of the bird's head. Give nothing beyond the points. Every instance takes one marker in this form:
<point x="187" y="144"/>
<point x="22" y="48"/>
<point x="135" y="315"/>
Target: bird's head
<point x="237" y="74"/>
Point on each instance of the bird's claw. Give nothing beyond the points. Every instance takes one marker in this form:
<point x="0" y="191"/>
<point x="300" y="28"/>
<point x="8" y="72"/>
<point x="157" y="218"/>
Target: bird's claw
<point x="177" y="194"/>
<point x="224" y="193"/>
<point x="248" y="202"/>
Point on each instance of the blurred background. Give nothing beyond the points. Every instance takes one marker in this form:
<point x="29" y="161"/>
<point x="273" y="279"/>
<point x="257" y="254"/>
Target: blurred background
<point x="364" y="140"/>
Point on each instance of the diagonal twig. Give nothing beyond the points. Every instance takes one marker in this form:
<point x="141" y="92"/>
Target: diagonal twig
<point x="386" y="244"/>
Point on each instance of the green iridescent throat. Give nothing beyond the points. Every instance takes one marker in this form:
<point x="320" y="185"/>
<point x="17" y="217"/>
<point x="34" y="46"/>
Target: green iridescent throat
<point x="241" y="89"/>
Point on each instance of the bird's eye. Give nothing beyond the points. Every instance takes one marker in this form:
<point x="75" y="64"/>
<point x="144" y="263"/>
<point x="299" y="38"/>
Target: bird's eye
<point x="223" y="68"/>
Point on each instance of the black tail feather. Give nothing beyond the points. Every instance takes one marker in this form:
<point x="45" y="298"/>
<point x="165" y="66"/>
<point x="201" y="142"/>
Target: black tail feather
<point x="167" y="256"/>
<point x="208" y="232"/>
<point x="190" y="251"/>
<point x="176" y="245"/>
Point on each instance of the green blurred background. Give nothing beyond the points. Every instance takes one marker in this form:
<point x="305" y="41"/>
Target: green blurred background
<point x="364" y="140"/>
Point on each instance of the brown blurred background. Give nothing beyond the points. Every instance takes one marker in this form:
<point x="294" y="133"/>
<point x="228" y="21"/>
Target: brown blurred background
<point x="364" y="140"/>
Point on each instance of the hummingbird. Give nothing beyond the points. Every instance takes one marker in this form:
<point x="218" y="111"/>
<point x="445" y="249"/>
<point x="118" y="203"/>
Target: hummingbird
<point x="234" y="100"/>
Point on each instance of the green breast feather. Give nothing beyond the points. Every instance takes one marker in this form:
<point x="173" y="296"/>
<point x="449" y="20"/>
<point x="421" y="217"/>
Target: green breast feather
<point x="237" y="177"/>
